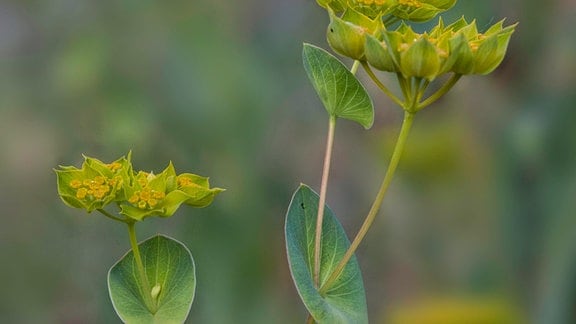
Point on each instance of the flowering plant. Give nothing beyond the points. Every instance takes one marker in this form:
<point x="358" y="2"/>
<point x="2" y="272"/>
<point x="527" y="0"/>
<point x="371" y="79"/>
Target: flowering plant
<point x="158" y="284"/>
<point x="375" y="34"/>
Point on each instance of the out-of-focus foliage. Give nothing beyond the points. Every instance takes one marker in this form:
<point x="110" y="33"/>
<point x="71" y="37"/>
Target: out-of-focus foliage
<point x="483" y="206"/>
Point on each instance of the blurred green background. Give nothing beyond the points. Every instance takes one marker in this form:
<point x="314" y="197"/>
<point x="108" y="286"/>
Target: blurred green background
<point x="480" y="220"/>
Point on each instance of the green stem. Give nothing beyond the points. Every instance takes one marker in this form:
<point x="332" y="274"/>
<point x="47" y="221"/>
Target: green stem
<point x="405" y="87"/>
<point x="145" y="285"/>
<point x="442" y="91"/>
<point x="322" y="199"/>
<point x="400" y="143"/>
<point x="380" y="84"/>
<point x="355" y="66"/>
<point x="107" y="214"/>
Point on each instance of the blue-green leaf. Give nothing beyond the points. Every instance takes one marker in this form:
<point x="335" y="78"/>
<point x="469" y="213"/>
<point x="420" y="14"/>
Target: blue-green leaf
<point x="344" y="301"/>
<point x="341" y="93"/>
<point x="171" y="274"/>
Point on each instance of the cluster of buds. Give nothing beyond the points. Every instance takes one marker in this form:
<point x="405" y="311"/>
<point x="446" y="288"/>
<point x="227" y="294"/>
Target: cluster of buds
<point x="357" y="30"/>
<point x="138" y="194"/>
<point x="457" y="48"/>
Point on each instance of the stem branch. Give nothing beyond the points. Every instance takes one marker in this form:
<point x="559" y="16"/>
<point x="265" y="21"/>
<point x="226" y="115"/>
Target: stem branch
<point x="322" y="200"/>
<point x="380" y="84"/>
<point x="400" y="143"/>
<point x="442" y="91"/>
<point x="107" y="214"/>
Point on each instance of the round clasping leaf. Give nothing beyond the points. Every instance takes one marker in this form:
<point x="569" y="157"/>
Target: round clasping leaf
<point x="171" y="274"/>
<point x="344" y="301"/>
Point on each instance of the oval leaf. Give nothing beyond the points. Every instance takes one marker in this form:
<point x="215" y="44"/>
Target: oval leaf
<point x="341" y="93"/>
<point x="345" y="300"/>
<point x="170" y="270"/>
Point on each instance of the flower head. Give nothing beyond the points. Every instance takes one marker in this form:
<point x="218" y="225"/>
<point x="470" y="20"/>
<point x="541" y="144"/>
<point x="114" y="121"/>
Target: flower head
<point x="94" y="185"/>
<point x="138" y="194"/>
<point x="162" y="194"/>
<point x="457" y="48"/>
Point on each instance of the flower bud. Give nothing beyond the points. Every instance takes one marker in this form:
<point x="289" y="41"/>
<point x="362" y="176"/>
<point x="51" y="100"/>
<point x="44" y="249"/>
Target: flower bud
<point x="347" y="35"/>
<point x="420" y="60"/>
<point x="412" y="54"/>
<point x="479" y="53"/>
<point x="378" y="55"/>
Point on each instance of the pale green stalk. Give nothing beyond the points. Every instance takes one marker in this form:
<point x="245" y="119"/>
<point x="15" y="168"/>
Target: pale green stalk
<point x="145" y="285"/>
<point x="442" y="91"/>
<point x="322" y="199"/>
<point x="398" y="149"/>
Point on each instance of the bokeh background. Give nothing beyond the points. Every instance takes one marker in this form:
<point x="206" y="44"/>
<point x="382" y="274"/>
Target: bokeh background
<point x="480" y="221"/>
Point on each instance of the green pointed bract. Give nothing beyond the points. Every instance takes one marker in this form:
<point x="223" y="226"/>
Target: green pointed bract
<point x="197" y="189"/>
<point x="378" y="55"/>
<point x="462" y="54"/>
<point x="420" y="60"/>
<point x="491" y="52"/>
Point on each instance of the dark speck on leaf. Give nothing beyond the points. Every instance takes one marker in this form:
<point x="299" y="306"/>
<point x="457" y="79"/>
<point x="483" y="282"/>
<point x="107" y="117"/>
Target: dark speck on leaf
<point x="302" y="205"/>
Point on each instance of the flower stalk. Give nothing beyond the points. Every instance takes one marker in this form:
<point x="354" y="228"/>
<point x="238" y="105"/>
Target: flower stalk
<point x="145" y="288"/>
<point x="394" y="160"/>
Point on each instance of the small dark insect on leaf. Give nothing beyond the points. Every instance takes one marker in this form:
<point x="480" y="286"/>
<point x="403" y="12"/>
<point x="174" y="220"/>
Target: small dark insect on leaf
<point x="302" y="205"/>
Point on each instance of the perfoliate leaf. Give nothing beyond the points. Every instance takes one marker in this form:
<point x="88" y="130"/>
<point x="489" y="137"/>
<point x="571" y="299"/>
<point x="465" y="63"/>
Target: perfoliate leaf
<point x="344" y="300"/>
<point x="169" y="267"/>
<point x="341" y="93"/>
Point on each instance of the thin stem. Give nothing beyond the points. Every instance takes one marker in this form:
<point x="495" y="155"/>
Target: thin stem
<point x="380" y="84"/>
<point x="400" y="143"/>
<point x="405" y="86"/>
<point x="322" y="199"/>
<point x="355" y="66"/>
<point x="146" y="290"/>
<point x="107" y="214"/>
<point x="442" y="91"/>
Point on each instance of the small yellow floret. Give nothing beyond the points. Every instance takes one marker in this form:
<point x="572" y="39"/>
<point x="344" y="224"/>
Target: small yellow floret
<point x="81" y="193"/>
<point x="410" y="3"/>
<point x="147" y="198"/>
<point x="75" y="184"/>
<point x="114" y="166"/>
<point x="152" y="202"/>
<point x="90" y="189"/>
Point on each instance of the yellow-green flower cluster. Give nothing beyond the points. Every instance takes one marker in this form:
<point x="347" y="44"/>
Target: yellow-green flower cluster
<point x="413" y="10"/>
<point x="457" y="48"/>
<point x="358" y="30"/>
<point x="95" y="185"/>
<point x="138" y="194"/>
<point x="352" y="20"/>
